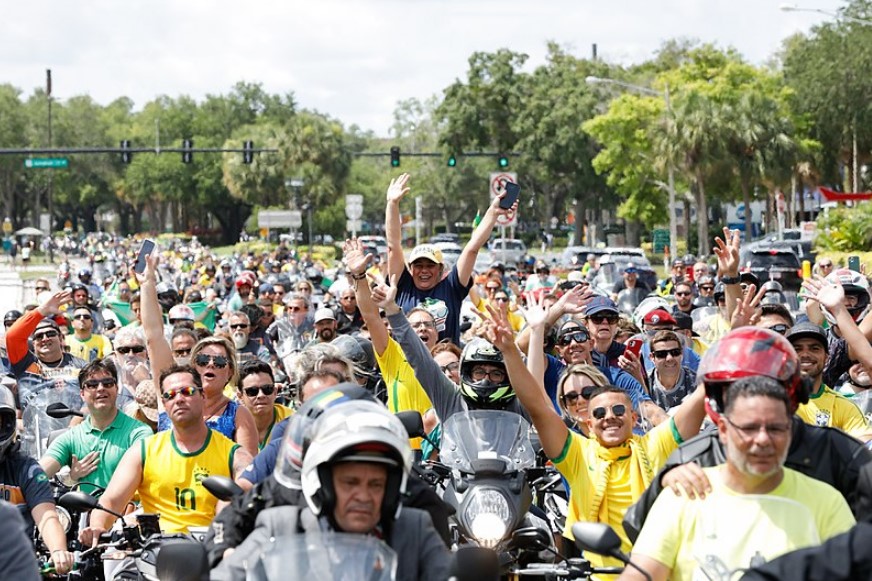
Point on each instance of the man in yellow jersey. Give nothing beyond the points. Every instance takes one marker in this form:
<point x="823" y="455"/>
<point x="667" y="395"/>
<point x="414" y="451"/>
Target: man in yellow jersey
<point x="757" y="509"/>
<point x="257" y="392"/>
<point x="826" y="407"/>
<point x="84" y="343"/>
<point x="166" y="469"/>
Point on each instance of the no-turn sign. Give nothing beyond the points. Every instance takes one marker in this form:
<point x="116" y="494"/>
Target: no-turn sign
<point x="496" y="186"/>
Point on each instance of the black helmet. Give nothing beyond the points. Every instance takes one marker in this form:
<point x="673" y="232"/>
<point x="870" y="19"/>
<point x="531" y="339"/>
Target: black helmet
<point x="11" y="316"/>
<point x="720" y="292"/>
<point x="484" y="392"/>
<point x="8" y="420"/>
<point x="360" y="352"/>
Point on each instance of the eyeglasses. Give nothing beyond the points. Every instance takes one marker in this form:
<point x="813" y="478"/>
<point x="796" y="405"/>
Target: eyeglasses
<point x="492" y="288"/>
<point x="92" y="384"/>
<point x="450" y="368"/>
<point x="181" y="352"/>
<point x="600" y="319"/>
<point x="186" y="391"/>
<point x="706" y="287"/>
<point x="46" y="335"/>
<point x="424" y="325"/>
<point x="502" y="299"/>
<point x="773" y="430"/>
<point x="218" y="361"/>
<point x="826" y="264"/>
<point x="618" y="410"/>
<point x="45" y="288"/>
<point x="664" y="353"/>
<point x="125" y="349"/>
<point x="239" y="326"/>
<point x="296" y="309"/>
<point x="82" y="317"/>
<point x="682" y="293"/>
<point x="495" y="375"/>
<point x="351" y="298"/>
<point x="780" y="328"/>
<point x="266" y="389"/>
<point x="571" y="397"/>
<point x="577" y="336"/>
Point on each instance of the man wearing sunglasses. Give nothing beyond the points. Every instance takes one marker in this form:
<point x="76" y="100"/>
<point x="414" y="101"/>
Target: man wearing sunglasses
<point x="47" y="360"/>
<point x="94" y="448"/>
<point x="167" y="468"/>
<point x="84" y="343"/>
<point x="257" y="392"/>
<point x="670" y="381"/>
<point x="247" y="349"/>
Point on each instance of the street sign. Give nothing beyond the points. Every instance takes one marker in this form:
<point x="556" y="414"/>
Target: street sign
<point x="279" y="219"/>
<point x="46" y="162"/>
<point x="496" y="184"/>
<point x="353" y="207"/>
<point x="353" y="226"/>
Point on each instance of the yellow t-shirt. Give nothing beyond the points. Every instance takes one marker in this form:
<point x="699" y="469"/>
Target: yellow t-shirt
<point x="734" y="527"/>
<point x="280" y="412"/>
<point x="583" y="463"/>
<point x="171" y="479"/>
<point x="828" y="408"/>
<point x="404" y="390"/>
<point x="515" y="320"/>
<point x="95" y="347"/>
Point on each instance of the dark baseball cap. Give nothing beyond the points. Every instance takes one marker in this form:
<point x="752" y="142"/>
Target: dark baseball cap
<point x="601" y="305"/>
<point x="807" y="330"/>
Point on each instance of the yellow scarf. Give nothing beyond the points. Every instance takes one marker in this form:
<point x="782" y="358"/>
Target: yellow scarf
<point x="641" y="474"/>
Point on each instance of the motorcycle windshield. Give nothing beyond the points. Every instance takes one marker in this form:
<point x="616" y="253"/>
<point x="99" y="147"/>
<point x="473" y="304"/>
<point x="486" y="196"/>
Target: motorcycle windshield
<point x="745" y="530"/>
<point x="487" y="434"/>
<point x="35" y="396"/>
<point x="326" y="556"/>
<point x="863" y="400"/>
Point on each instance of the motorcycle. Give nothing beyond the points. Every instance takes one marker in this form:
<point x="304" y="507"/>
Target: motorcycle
<point x="156" y="556"/>
<point x="36" y="398"/>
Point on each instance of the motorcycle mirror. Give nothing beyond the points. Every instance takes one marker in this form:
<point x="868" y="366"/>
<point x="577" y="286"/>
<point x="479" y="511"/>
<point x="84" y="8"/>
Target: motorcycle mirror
<point x="413" y="422"/>
<point x="531" y="538"/>
<point x="222" y="487"/>
<point x="182" y="560"/>
<point x="598" y="538"/>
<point x="476" y="564"/>
<point x="82" y="502"/>
<point x="59" y="410"/>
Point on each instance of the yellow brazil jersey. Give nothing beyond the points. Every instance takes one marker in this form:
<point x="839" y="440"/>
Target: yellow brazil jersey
<point x="171" y="479"/>
<point x="404" y="390"/>
<point x="95" y="347"/>
<point x="280" y="412"/>
<point x="828" y="408"/>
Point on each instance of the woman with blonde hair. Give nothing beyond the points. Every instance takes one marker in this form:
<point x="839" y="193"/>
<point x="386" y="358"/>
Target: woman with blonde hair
<point x="573" y="392"/>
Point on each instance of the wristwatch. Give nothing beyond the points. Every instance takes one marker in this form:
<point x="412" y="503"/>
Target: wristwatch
<point x="730" y="279"/>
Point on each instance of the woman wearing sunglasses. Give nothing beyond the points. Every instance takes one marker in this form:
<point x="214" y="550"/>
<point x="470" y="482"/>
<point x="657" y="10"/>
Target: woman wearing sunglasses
<point x="574" y="389"/>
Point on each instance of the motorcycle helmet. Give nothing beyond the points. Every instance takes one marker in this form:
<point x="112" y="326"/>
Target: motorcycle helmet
<point x="85" y="273"/>
<point x="359" y="431"/>
<point x="484" y="393"/>
<point x="297" y="435"/>
<point x="246" y="277"/>
<point x="167" y="295"/>
<point x="773" y="293"/>
<point x="11" y="316"/>
<point x="181" y="313"/>
<point x="8" y="421"/>
<point x="646" y="306"/>
<point x="855" y="284"/>
<point x="360" y="352"/>
<point x="720" y="292"/>
<point x="745" y="352"/>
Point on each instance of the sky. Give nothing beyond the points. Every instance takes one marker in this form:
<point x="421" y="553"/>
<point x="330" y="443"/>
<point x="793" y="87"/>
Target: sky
<point x="351" y="59"/>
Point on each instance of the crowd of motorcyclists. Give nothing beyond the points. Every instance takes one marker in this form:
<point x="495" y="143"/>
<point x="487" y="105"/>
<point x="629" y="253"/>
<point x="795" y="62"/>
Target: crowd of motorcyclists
<point x="428" y="408"/>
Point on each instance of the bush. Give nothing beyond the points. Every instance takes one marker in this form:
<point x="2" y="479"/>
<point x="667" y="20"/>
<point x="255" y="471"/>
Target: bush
<point x="846" y="229"/>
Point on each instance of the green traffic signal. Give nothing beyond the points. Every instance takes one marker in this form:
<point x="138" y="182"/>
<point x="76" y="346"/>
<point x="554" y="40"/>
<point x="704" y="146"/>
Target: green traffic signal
<point x="452" y="161"/>
<point x="395" y="156"/>
<point x="504" y="162"/>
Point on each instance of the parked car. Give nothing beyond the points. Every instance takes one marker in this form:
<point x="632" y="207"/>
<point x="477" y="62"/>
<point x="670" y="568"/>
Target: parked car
<point x="574" y="257"/>
<point x="380" y="242"/>
<point x="802" y="248"/>
<point x="445" y="237"/>
<point x="508" y="250"/>
<point x="772" y="263"/>
<point x="450" y="252"/>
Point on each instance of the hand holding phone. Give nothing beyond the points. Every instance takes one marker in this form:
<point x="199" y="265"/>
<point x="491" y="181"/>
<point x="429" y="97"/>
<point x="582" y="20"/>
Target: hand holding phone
<point x="634" y="346"/>
<point x="146" y="249"/>
<point x="854" y="263"/>
<point x="513" y="190"/>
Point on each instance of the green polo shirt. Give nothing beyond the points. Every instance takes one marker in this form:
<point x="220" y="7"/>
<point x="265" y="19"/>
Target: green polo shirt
<point x="111" y="444"/>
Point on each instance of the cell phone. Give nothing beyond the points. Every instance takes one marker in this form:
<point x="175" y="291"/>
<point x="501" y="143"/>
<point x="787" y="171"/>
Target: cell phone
<point x="513" y="190"/>
<point x="634" y="346"/>
<point x="144" y="250"/>
<point x="854" y="263"/>
<point x="688" y="272"/>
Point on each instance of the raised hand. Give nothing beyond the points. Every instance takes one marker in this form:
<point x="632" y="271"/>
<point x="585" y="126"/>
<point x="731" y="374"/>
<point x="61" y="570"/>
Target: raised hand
<point x="384" y="294"/>
<point x="535" y="312"/>
<point x="497" y="329"/>
<point x="81" y="468"/>
<point x="746" y="307"/>
<point x="398" y="188"/>
<point x="573" y="301"/>
<point x="727" y="251"/>
<point x="828" y="294"/>
<point x="52" y="305"/>
<point x="353" y="257"/>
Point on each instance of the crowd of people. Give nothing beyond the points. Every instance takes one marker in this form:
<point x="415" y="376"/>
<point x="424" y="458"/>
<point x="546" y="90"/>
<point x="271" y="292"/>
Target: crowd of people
<point x="284" y="373"/>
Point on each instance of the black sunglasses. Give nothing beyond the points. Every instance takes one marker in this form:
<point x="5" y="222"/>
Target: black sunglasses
<point x="106" y="382"/>
<point x="577" y="336"/>
<point x="82" y="317"/>
<point x="663" y="353"/>
<point x="618" y="410"/>
<point x="266" y="389"/>
<point x="125" y="349"/>
<point x="217" y="360"/>
<point x="572" y="396"/>
<point x="46" y="335"/>
<point x="239" y="326"/>
<point x="599" y="319"/>
<point x="780" y="328"/>
<point x="181" y="352"/>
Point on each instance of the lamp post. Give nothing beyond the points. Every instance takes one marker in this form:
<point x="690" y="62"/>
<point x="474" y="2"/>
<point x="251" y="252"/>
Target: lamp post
<point x="670" y="184"/>
<point x="297" y="184"/>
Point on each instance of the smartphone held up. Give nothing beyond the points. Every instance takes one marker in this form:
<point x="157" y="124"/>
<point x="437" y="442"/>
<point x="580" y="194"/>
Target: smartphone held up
<point x="146" y="249"/>
<point x="513" y="190"/>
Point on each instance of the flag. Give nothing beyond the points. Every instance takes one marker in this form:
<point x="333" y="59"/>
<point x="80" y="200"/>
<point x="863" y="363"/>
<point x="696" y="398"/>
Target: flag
<point x="477" y="220"/>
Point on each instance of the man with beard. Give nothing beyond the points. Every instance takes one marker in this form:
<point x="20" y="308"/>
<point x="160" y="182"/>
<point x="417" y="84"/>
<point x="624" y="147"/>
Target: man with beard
<point x="181" y="342"/>
<point x="131" y="360"/>
<point x="683" y="293"/>
<point x="325" y="326"/>
<point x="755" y="430"/>
<point x="294" y="330"/>
<point x="246" y="349"/>
<point x="825" y="407"/>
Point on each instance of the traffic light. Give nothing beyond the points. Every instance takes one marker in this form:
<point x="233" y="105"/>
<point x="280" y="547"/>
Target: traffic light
<point x="452" y="161"/>
<point x="187" y="155"/>
<point x="503" y="161"/>
<point x="126" y="156"/>
<point x="248" y="152"/>
<point x="395" y="156"/>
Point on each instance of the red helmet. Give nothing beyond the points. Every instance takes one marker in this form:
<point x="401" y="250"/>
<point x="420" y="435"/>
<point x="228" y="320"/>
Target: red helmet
<point x="246" y="277"/>
<point x="745" y="352"/>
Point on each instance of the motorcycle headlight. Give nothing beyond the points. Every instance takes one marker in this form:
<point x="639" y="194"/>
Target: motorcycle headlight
<point x="488" y="515"/>
<point x="65" y="518"/>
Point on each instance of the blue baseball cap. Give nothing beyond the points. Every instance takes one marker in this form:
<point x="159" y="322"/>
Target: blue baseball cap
<point x="601" y="305"/>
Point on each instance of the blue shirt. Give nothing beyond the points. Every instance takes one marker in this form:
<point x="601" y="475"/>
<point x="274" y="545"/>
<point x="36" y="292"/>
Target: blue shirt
<point x="443" y="301"/>
<point x="265" y="462"/>
<point x="615" y="376"/>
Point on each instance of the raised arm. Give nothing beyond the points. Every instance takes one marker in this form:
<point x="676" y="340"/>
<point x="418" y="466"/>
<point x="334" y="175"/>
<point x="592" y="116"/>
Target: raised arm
<point x="397" y="190"/>
<point x="690" y="414"/>
<point x="480" y="235"/>
<point x="536" y="315"/>
<point x="356" y="263"/>
<point x="529" y="389"/>
<point x="727" y="251"/>
<point x="572" y="302"/>
<point x="160" y="355"/>
<point x="832" y="296"/>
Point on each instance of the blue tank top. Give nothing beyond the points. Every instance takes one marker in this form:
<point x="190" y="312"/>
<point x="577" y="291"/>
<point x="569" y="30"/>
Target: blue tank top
<point x="224" y="424"/>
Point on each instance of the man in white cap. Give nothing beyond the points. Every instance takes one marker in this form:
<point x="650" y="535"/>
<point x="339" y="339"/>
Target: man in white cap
<point x="425" y="282"/>
<point x="325" y="326"/>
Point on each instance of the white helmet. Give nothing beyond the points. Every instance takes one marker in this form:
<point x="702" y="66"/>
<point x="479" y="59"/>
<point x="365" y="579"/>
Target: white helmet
<point x="855" y="284"/>
<point x="8" y="421"/>
<point x="359" y="431"/>
<point x="646" y="306"/>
